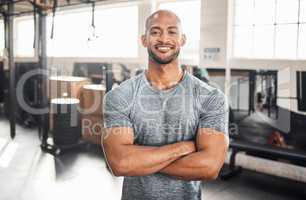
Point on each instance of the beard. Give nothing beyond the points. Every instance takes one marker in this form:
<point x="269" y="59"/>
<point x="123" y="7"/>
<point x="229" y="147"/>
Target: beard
<point x="163" y="61"/>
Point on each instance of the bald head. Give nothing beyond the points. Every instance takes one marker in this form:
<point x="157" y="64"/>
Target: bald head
<point x="162" y="13"/>
<point x="163" y="37"/>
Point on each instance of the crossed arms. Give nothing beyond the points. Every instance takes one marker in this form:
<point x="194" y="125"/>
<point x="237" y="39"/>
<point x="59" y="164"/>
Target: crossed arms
<point x="186" y="160"/>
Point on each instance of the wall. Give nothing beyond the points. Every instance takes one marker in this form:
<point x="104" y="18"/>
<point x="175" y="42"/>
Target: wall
<point x="214" y="32"/>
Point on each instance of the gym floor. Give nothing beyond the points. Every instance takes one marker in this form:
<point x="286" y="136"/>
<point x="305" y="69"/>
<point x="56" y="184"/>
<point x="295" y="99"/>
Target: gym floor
<point x="82" y="174"/>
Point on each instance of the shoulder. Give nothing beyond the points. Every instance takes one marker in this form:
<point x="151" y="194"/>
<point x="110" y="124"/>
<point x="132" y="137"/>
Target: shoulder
<point x="202" y="88"/>
<point x="206" y="94"/>
<point x="125" y="91"/>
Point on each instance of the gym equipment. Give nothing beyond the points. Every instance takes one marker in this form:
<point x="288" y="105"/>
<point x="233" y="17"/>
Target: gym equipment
<point x="66" y="121"/>
<point x="243" y="146"/>
<point x="92" y="115"/>
<point x="97" y="72"/>
<point x="92" y="99"/>
<point x="66" y="86"/>
<point x="103" y="73"/>
<point x="200" y="73"/>
<point x="29" y="93"/>
<point x="301" y="90"/>
<point x="270" y="144"/>
<point x="120" y="73"/>
<point x="2" y="81"/>
<point x="92" y="128"/>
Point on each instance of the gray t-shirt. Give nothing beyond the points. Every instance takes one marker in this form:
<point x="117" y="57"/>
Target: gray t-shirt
<point x="160" y="117"/>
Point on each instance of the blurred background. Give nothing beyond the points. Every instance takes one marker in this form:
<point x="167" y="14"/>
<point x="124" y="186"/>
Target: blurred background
<point x="65" y="55"/>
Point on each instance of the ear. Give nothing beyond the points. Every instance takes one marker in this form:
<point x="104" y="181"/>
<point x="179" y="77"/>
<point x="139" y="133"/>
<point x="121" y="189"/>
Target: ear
<point x="144" y="40"/>
<point x="183" y="40"/>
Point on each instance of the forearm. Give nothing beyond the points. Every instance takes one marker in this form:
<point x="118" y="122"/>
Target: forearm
<point x="135" y="160"/>
<point x="196" y="166"/>
<point x="205" y="164"/>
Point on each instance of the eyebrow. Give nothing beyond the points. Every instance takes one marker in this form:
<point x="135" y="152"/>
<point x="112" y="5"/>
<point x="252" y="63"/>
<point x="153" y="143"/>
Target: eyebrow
<point x="173" y="27"/>
<point x="157" y="27"/>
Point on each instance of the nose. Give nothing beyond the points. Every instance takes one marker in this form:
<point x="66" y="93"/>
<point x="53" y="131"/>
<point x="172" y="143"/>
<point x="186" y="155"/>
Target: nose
<point x="163" y="37"/>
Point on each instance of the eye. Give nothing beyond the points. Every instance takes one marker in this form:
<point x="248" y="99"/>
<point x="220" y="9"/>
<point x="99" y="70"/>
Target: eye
<point x="173" y="32"/>
<point x="154" y="32"/>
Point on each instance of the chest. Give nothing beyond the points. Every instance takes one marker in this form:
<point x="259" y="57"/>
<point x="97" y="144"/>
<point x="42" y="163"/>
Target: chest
<point x="164" y="119"/>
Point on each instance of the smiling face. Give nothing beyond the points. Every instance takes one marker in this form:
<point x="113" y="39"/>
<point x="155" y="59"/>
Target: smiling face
<point x="163" y="37"/>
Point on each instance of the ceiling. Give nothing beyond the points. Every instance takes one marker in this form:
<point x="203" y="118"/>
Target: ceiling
<point x="23" y="7"/>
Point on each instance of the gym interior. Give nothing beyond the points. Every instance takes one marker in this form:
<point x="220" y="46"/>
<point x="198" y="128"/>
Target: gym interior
<point x="67" y="54"/>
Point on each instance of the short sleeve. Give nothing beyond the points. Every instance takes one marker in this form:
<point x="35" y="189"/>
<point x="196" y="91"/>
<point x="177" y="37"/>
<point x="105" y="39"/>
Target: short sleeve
<point x="116" y="110"/>
<point x="214" y="112"/>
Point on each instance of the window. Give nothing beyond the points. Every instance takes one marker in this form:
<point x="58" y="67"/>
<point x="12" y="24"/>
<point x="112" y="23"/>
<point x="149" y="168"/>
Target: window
<point x="287" y="11"/>
<point x="24" y="37"/>
<point x="243" y="37"/>
<point x="189" y="13"/>
<point x="302" y="41"/>
<point x="1" y="37"/>
<point x="262" y="12"/>
<point x="244" y="12"/>
<point x="116" y="33"/>
<point x="263" y="41"/>
<point x="269" y="29"/>
<point x="285" y="41"/>
<point x="303" y="11"/>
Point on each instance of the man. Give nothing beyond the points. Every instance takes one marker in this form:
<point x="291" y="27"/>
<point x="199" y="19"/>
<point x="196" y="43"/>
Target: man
<point x="166" y="129"/>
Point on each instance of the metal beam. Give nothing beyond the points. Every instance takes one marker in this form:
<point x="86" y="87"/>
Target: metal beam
<point x="42" y="54"/>
<point x="72" y="4"/>
<point x="9" y="20"/>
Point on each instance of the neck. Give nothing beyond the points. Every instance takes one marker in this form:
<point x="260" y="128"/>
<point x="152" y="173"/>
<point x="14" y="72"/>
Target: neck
<point x="165" y="76"/>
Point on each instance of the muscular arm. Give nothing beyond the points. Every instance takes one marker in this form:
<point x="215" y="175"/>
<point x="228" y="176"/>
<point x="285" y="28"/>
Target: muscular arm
<point x="126" y="159"/>
<point x="204" y="164"/>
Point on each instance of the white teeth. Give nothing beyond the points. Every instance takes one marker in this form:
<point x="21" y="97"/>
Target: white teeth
<point x="164" y="48"/>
